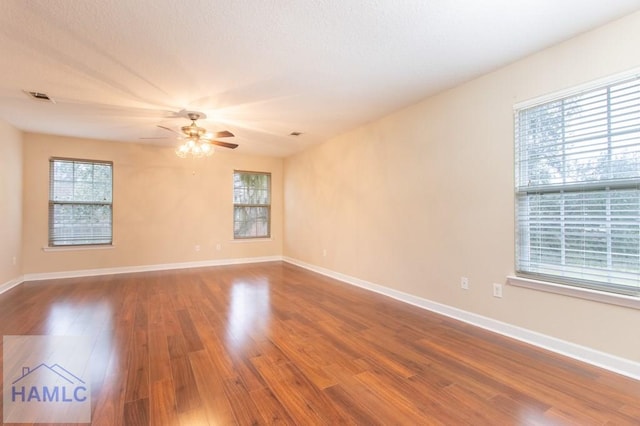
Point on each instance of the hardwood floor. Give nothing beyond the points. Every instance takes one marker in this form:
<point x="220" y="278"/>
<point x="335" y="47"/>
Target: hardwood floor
<point x="274" y="344"/>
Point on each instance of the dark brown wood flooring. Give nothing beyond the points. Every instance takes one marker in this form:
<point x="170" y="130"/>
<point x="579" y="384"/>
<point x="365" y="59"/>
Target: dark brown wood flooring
<point x="273" y="343"/>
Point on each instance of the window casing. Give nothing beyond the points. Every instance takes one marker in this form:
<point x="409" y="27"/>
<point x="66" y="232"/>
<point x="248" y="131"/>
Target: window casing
<point x="251" y="205"/>
<point x="578" y="188"/>
<point x="80" y="202"/>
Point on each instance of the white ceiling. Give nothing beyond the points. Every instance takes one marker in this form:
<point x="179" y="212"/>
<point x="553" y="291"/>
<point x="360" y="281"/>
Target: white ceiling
<point x="259" y="68"/>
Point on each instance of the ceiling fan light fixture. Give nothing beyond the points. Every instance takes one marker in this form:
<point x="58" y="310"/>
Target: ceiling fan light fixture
<point x="193" y="130"/>
<point x="194" y="147"/>
<point x="197" y="142"/>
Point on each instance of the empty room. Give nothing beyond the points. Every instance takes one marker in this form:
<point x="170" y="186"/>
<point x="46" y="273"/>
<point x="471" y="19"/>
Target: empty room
<point x="319" y="212"/>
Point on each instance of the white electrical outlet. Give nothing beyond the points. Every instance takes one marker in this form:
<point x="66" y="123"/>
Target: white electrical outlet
<point x="464" y="283"/>
<point x="497" y="290"/>
<point x="218" y="246"/>
<point x="197" y="247"/>
<point x="15" y="260"/>
<point x="324" y="252"/>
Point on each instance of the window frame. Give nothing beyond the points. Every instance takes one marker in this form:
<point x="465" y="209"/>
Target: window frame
<point x="52" y="203"/>
<point x="236" y="237"/>
<point x="605" y="186"/>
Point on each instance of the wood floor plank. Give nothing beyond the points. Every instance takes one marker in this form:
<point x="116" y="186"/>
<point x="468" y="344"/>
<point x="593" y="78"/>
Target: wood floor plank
<point x="210" y="385"/>
<point x="159" y="357"/>
<point x="212" y="343"/>
<point x="184" y="385"/>
<point x="195" y="417"/>
<point x="271" y="343"/>
<point x="136" y="413"/>
<point x="305" y="403"/>
<point x="524" y="412"/>
<point x="109" y="405"/>
<point x="352" y="407"/>
<point x="244" y="408"/>
<point x="248" y="373"/>
<point x="159" y="354"/>
<point x="271" y="410"/>
<point x="137" y="386"/>
<point x="189" y="331"/>
<point x="162" y="404"/>
<point x="375" y="401"/>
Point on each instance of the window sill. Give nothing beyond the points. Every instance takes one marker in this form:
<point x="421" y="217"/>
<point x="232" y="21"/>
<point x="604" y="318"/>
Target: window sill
<point x="582" y="293"/>
<point x="251" y="240"/>
<point x="79" y="248"/>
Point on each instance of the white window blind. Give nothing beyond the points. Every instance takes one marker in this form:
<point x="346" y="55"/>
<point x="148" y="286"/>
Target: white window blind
<point x="578" y="189"/>
<point x="251" y="205"/>
<point x="80" y="202"/>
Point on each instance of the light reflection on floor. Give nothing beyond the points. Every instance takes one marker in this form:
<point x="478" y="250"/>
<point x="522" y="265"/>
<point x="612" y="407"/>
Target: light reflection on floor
<point x="249" y="311"/>
<point x="94" y="321"/>
<point x="77" y="319"/>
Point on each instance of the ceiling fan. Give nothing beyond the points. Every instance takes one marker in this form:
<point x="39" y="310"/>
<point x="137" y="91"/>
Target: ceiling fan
<point x="199" y="135"/>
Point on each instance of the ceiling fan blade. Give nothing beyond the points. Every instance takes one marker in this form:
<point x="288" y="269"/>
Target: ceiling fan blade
<point x="224" y="134"/>
<point x="224" y="144"/>
<point x="169" y="129"/>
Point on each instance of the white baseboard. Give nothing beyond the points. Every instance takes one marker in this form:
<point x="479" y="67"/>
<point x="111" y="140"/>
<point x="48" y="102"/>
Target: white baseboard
<point x="146" y="268"/>
<point x="591" y="356"/>
<point x="11" y="284"/>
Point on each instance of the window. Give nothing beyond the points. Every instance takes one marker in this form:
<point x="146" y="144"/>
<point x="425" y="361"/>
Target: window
<point x="578" y="189"/>
<point x="251" y="205"/>
<point x="80" y="209"/>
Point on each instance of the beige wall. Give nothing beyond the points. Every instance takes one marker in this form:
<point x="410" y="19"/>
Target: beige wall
<point x="422" y="197"/>
<point x="163" y="206"/>
<point x="10" y="203"/>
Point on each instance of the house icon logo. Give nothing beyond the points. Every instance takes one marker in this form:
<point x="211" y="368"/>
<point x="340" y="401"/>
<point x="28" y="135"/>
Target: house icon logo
<point x="48" y="383"/>
<point x="46" y="379"/>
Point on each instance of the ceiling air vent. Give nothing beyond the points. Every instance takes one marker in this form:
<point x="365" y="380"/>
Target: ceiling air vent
<point x="39" y="96"/>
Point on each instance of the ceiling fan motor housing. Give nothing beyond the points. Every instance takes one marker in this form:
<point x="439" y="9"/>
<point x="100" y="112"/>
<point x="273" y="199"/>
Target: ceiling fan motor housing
<point x="193" y="130"/>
